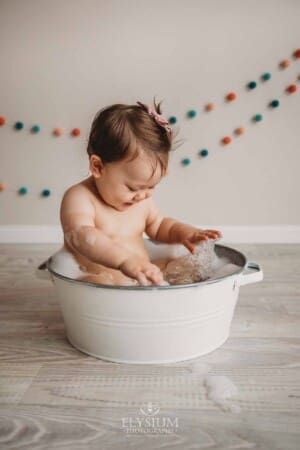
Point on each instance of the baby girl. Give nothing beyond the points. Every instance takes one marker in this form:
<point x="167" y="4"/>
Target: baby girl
<point x="104" y="216"/>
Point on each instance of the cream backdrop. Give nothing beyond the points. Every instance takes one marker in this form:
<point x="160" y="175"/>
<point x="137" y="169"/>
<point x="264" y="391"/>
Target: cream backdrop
<point x="61" y="61"/>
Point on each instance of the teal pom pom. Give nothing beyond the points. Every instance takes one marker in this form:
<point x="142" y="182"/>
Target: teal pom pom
<point x="173" y="119"/>
<point x="186" y="161"/>
<point x="266" y="76"/>
<point x="46" y="193"/>
<point x="258" y="117"/>
<point x="252" y="85"/>
<point x="23" y="191"/>
<point x="35" y="129"/>
<point x="274" y="103"/>
<point x="19" y="125"/>
<point x="204" y="152"/>
<point x="192" y="113"/>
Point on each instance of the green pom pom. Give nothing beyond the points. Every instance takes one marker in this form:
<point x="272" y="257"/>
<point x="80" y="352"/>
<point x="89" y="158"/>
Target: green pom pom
<point x="173" y="119"/>
<point x="35" y="128"/>
<point x="46" y="193"/>
<point x="23" y="190"/>
<point x="186" y="161"/>
<point x="252" y="85"/>
<point x="19" y="125"/>
<point x="203" y="152"/>
<point x="192" y="113"/>
<point x="258" y="117"/>
<point x="274" y="103"/>
<point x="266" y="76"/>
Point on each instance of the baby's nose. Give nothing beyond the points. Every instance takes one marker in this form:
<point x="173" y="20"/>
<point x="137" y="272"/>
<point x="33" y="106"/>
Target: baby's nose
<point x="142" y="195"/>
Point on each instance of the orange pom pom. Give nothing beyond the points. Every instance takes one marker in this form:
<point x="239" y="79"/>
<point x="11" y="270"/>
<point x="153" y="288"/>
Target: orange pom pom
<point x="2" y="121"/>
<point x="2" y="187"/>
<point x="284" y="64"/>
<point x="231" y="96"/>
<point x="57" y="132"/>
<point x="210" y="107"/>
<point x="239" y="131"/>
<point x="76" y="132"/>
<point x="292" y="88"/>
<point x="226" y="140"/>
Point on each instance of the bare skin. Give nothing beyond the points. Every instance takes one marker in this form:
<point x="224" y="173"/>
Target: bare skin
<point x="104" y="218"/>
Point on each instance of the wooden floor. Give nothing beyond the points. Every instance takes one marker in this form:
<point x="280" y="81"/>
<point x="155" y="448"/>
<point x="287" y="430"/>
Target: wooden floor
<point x="53" y="396"/>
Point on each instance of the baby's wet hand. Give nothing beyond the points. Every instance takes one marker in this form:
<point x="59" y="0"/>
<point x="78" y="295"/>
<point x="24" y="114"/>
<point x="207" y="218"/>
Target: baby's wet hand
<point x="192" y="238"/>
<point x="142" y="270"/>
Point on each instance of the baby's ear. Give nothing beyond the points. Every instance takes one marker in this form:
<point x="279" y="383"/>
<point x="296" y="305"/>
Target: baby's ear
<point x="96" y="166"/>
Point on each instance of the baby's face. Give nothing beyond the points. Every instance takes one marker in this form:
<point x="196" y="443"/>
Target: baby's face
<point x="122" y="184"/>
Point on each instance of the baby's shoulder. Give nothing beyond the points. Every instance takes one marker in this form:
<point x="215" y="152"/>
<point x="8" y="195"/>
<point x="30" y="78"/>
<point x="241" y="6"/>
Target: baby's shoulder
<point x="77" y="199"/>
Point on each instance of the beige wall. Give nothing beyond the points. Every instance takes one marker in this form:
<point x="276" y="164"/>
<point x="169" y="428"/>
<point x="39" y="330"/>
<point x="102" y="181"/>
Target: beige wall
<point x="64" y="60"/>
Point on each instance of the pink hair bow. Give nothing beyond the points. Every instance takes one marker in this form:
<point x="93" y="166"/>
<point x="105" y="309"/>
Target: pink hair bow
<point x="162" y="121"/>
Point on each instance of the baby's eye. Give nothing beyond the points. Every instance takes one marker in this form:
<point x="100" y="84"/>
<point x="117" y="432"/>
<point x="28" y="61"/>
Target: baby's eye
<point x="130" y="189"/>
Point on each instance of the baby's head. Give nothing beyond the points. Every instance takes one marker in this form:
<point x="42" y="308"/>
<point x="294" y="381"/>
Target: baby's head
<point x="128" y="149"/>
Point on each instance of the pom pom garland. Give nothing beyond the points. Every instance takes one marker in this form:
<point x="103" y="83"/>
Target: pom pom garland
<point x="291" y="88"/>
<point x="258" y="118"/>
<point x="284" y="64"/>
<point x="231" y="96"/>
<point x="226" y="140"/>
<point x="192" y="113"/>
<point x="252" y="85"/>
<point x="210" y="107"/>
<point x="75" y="132"/>
<point x="19" y="125"/>
<point x="274" y="103"/>
<point x="266" y="76"/>
<point x="203" y="152"/>
<point x="35" y="129"/>
<point x="23" y="190"/>
<point x="239" y="131"/>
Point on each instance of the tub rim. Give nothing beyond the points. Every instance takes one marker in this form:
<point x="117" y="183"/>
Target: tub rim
<point x="47" y="266"/>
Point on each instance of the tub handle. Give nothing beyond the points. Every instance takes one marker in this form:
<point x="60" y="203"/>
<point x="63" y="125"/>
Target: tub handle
<point x="253" y="277"/>
<point x="42" y="272"/>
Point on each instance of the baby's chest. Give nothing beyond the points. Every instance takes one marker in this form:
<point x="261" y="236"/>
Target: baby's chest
<point x="118" y="224"/>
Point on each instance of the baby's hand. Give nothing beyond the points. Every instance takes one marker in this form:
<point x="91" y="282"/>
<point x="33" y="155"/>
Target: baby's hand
<point x="191" y="238"/>
<point x="142" y="270"/>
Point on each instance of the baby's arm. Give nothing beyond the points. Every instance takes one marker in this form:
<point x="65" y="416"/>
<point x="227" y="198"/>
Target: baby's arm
<point x="168" y="230"/>
<point x="77" y="215"/>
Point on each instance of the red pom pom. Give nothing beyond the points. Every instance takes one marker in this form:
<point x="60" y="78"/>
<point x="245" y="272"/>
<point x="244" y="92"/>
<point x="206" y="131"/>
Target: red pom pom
<point x="76" y="132"/>
<point x="2" y="121"/>
<point x="226" y="140"/>
<point x="297" y="53"/>
<point x="231" y="96"/>
<point x="292" y="88"/>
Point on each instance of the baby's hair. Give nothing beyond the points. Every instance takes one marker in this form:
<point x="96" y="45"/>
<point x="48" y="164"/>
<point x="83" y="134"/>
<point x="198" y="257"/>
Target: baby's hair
<point x="119" y="131"/>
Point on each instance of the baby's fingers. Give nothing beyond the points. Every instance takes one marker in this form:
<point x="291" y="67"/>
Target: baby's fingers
<point x="155" y="276"/>
<point x="191" y="247"/>
<point x="142" y="279"/>
<point x="214" y="234"/>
